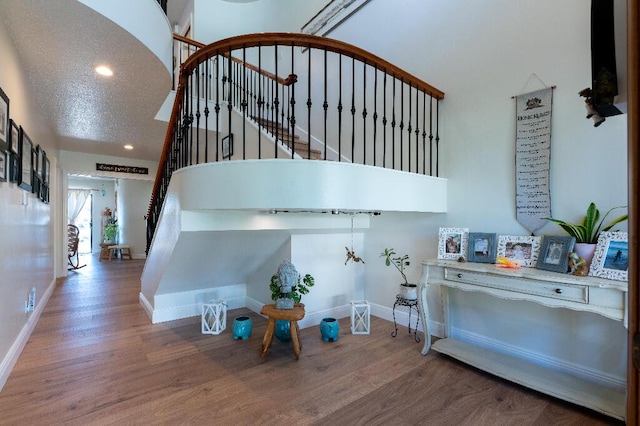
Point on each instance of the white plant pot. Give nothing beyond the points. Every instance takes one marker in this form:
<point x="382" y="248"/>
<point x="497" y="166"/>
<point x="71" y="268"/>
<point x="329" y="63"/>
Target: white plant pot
<point x="409" y="292"/>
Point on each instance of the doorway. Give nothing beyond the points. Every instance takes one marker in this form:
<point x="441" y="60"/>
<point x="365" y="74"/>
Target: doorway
<point x="84" y="223"/>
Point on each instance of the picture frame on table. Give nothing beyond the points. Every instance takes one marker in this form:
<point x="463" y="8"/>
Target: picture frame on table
<point x="452" y="243"/>
<point x="26" y="162"/>
<point x="482" y="247"/>
<point x="522" y="250"/>
<point x="227" y="146"/>
<point x="14" y="137"/>
<point x="4" y="166"/>
<point x="611" y="259"/>
<point x="554" y="251"/>
<point x="4" y="121"/>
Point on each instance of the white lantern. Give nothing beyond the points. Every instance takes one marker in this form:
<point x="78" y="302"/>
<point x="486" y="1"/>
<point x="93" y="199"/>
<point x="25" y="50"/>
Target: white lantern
<point x="360" y="317"/>
<point x="214" y="317"/>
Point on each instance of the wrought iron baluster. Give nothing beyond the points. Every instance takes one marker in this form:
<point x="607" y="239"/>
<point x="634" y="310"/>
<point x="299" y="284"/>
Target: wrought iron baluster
<point x="218" y="64"/>
<point x="393" y="127"/>
<point x="353" y="109"/>
<point x="430" y="135"/>
<point x="244" y="104"/>
<point x="417" y="131"/>
<point x="232" y="85"/>
<point x="309" y="103"/>
<point x="276" y="103"/>
<point x="325" y="104"/>
<point x="401" y="124"/>
<point x="340" y="108"/>
<point x="384" y="121"/>
<point x="364" y="113"/>
<point x="437" y="138"/>
<point x="292" y="102"/>
<point x="375" y="114"/>
<point x="409" y="129"/>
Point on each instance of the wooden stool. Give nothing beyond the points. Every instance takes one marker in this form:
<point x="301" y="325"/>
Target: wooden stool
<point x="122" y="249"/>
<point x="293" y="316"/>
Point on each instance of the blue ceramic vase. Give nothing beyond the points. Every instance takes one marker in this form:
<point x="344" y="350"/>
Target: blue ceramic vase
<point x="242" y="328"/>
<point x="283" y="330"/>
<point x="329" y="329"/>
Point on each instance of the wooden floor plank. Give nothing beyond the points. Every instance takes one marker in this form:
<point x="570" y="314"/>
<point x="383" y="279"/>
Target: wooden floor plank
<point x="95" y="358"/>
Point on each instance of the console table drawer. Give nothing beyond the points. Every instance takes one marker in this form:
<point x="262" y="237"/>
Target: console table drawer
<point x="554" y="290"/>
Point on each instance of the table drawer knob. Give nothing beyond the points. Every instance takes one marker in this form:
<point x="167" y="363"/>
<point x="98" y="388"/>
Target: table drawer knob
<point x="558" y="291"/>
<point x="459" y="275"/>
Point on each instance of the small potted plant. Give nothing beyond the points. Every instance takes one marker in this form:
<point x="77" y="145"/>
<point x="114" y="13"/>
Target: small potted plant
<point x="587" y="232"/>
<point x="407" y="291"/>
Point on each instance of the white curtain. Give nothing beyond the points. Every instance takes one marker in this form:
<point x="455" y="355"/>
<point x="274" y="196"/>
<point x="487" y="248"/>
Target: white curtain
<point x="76" y="199"/>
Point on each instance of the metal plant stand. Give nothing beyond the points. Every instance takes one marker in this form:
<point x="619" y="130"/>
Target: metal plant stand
<point x="411" y="304"/>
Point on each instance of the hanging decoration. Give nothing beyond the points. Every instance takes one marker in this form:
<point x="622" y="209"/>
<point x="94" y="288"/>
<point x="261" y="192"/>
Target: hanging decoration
<point x="533" y="156"/>
<point x="351" y="254"/>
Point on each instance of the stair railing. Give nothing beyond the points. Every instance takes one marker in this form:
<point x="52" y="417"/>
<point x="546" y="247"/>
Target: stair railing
<point x="348" y="104"/>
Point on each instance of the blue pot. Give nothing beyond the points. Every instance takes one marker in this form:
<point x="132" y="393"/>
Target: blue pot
<point x="329" y="329"/>
<point x="283" y="330"/>
<point x="242" y="328"/>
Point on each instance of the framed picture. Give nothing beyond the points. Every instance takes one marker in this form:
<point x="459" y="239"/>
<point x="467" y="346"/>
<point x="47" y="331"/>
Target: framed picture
<point x="482" y="247"/>
<point x="37" y="161"/>
<point x="47" y="171"/>
<point x="14" y="167"/>
<point x="26" y="162"/>
<point x="14" y="137"/>
<point x="4" y="121"/>
<point x="519" y="249"/>
<point x="611" y="259"/>
<point x="3" y="166"/>
<point x="554" y="252"/>
<point x="452" y="243"/>
<point x="227" y="146"/>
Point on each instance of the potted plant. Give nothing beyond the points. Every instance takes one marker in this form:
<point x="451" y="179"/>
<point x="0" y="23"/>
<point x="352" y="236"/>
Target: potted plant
<point x="110" y="230"/>
<point x="407" y="290"/>
<point x="587" y="232"/>
<point x="286" y="294"/>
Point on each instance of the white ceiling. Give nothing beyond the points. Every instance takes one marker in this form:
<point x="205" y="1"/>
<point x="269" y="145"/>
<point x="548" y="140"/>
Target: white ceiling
<point x="59" y="43"/>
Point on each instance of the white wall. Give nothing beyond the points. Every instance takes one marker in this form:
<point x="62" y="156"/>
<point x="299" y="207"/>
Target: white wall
<point x="133" y="203"/>
<point x="26" y="224"/>
<point x="218" y="19"/>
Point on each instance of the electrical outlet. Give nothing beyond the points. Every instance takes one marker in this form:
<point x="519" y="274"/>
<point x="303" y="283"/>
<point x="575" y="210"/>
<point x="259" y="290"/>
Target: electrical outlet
<point x="30" y="303"/>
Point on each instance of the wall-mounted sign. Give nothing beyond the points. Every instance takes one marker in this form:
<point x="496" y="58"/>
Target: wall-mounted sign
<point x="122" y="169"/>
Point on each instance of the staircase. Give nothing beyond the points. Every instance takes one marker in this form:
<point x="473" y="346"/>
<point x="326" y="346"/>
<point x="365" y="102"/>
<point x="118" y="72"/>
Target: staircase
<point x="282" y="134"/>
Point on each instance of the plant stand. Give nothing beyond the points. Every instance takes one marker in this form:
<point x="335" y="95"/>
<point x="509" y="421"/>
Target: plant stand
<point x="411" y="304"/>
<point x="214" y="317"/>
<point x="360" y="317"/>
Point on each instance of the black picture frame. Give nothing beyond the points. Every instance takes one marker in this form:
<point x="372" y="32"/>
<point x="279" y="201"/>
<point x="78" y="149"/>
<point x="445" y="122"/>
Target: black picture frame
<point x="227" y="146"/>
<point x="26" y="162"/>
<point x="14" y="167"/>
<point x="14" y="137"/>
<point x="47" y="171"/>
<point x="4" y="167"/>
<point x="482" y="247"/>
<point x="553" y="255"/>
<point x="4" y="121"/>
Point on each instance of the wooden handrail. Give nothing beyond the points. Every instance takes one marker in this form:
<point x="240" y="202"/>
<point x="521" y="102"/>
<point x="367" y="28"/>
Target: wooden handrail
<point x="188" y="41"/>
<point x="222" y="47"/>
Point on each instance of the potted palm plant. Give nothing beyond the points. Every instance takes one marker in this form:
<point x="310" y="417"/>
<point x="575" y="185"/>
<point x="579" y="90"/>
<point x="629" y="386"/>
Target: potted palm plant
<point x="407" y="290"/>
<point x="587" y="232"/>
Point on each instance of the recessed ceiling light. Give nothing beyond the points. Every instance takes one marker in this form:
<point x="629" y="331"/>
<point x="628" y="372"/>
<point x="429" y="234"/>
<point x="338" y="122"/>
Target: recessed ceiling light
<point x="128" y="147"/>
<point x="103" y="70"/>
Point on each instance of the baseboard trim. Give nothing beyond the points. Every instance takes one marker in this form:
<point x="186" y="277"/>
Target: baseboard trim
<point x="9" y="361"/>
<point x="589" y="374"/>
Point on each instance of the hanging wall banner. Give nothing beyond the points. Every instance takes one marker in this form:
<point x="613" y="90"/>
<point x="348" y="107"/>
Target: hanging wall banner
<point x="533" y="154"/>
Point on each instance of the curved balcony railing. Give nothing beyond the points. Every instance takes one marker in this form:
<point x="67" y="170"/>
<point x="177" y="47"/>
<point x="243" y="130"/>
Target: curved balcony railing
<point x="282" y="95"/>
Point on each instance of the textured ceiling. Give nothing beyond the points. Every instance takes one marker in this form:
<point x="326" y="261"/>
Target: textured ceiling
<point x="59" y="44"/>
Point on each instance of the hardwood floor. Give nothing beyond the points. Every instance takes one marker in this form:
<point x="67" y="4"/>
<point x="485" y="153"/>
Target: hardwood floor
<point x="95" y="358"/>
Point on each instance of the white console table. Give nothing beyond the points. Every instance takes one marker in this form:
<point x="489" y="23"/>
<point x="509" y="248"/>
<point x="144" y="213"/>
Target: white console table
<point x="598" y="295"/>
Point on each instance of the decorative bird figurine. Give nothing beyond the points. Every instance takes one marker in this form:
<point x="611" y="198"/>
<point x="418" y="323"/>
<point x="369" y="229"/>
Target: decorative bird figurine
<point x="503" y="262"/>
